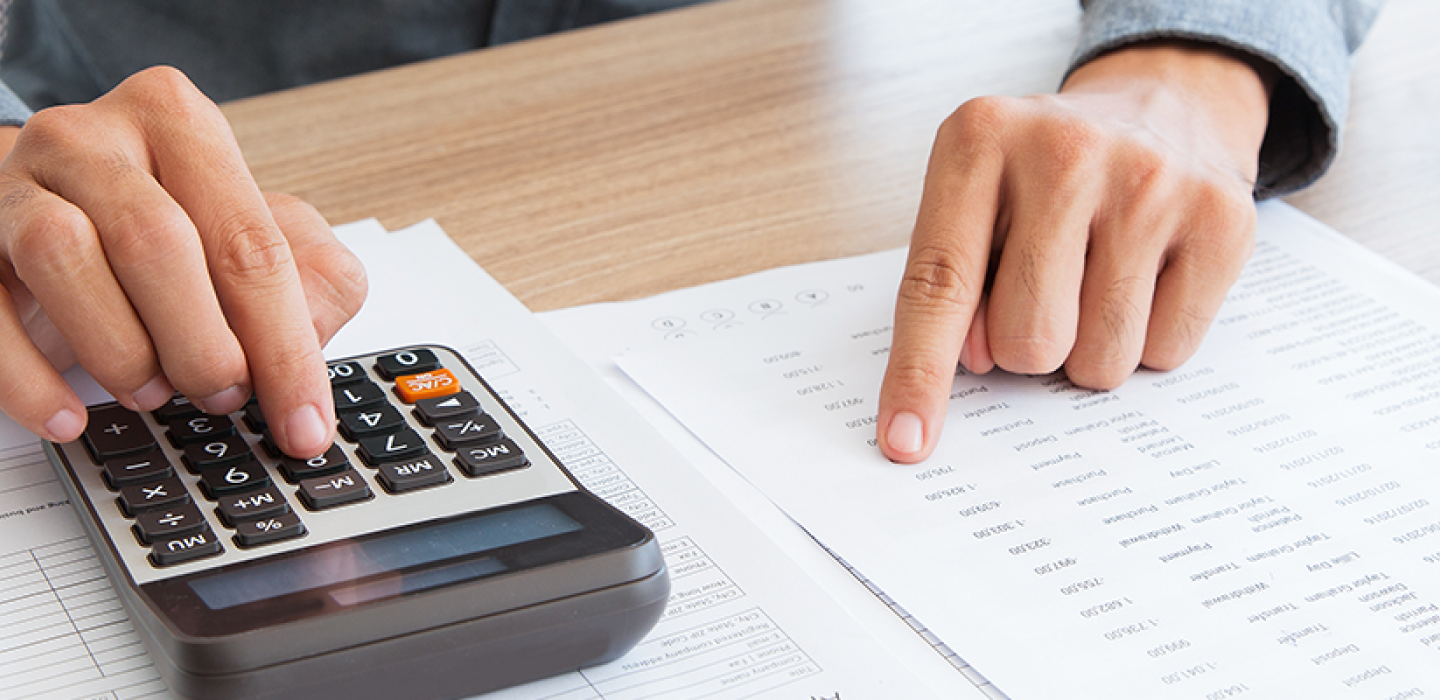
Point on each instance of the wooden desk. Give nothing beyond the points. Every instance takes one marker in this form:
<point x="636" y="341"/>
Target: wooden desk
<point x="683" y="148"/>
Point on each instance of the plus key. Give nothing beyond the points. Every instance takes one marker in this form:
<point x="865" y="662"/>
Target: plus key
<point x="113" y="431"/>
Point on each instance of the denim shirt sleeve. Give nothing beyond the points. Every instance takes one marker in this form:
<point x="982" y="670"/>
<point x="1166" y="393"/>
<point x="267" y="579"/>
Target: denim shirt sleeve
<point x="13" y="111"/>
<point x="1308" y="41"/>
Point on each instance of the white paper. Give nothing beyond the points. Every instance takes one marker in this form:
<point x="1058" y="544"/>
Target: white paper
<point x="1262" y="522"/>
<point x="744" y="621"/>
<point x="599" y="332"/>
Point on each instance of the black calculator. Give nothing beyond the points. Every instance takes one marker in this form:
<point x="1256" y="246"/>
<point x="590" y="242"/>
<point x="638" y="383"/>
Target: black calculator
<point x="436" y="550"/>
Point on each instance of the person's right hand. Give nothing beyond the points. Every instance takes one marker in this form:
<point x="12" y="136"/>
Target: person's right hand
<point x="134" y="240"/>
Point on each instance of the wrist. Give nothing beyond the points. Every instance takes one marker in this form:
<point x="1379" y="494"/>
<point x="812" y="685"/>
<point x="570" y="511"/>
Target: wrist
<point x="1226" y="91"/>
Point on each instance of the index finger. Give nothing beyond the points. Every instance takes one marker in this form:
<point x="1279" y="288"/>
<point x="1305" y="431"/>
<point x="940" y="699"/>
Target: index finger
<point x="252" y="269"/>
<point x="944" y="279"/>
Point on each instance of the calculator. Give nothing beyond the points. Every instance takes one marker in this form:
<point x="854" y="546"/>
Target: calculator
<point x="437" y="549"/>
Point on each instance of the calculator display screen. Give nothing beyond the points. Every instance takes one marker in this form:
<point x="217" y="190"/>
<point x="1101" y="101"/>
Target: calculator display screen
<point x="392" y="552"/>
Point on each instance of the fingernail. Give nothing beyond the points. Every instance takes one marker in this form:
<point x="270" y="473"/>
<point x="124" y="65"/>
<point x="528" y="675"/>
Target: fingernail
<point x="65" y="425"/>
<point x="306" y="432"/>
<point x="154" y="394"/>
<point x="906" y="434"/>
<point x="227" y="401"/>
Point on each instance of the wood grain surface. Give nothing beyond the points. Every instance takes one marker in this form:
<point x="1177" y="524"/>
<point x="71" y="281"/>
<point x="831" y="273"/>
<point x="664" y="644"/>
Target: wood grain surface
<point x="691" y="146"/>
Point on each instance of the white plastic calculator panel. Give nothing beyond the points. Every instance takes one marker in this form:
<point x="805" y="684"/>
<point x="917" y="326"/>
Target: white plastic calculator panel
<point x="382" y="511"/>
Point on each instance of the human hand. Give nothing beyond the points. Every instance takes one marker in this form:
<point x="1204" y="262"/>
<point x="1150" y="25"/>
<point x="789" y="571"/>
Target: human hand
<point x="1112" y="219"/>
<point x="134" y="241"/>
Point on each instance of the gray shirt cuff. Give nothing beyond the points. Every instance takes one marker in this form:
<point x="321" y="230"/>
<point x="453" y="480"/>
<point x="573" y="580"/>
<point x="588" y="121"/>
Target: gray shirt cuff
<point x="13" y="111"/>
<point x="1308" y="41"/>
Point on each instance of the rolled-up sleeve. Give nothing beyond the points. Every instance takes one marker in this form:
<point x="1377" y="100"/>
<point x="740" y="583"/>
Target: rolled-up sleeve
<point x="1308" y="41"/>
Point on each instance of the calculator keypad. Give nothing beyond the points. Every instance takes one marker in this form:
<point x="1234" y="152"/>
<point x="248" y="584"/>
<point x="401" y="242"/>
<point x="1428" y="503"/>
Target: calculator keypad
<point x="192" y="486"/>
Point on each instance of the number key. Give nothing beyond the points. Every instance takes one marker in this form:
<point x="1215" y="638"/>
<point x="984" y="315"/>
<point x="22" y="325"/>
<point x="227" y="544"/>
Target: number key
<point x="380" y="419"/>
<point x="200" y="428"/>
<point x="236" y="479"/>
<point x="216" y="454"/>
<point x="396" y="446"/>
<point x="357" y="396"/>
<point x="342" y="373"/>
<point x="406" y="362"/>
<point x="332" y="461"/>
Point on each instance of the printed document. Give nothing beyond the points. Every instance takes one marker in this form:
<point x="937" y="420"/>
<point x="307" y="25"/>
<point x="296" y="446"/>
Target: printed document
<point x="745" y="620"/>
<point x="1262" y="522"/>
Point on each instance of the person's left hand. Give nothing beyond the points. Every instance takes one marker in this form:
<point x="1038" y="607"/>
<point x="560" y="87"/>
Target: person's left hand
<point x="1111" y="218"/>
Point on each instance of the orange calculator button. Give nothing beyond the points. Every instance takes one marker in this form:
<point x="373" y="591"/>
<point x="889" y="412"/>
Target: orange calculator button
<point x="426" y="385"/>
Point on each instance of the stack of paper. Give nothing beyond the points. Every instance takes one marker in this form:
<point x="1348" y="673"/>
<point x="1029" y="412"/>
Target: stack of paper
<point x="751" y="614"/>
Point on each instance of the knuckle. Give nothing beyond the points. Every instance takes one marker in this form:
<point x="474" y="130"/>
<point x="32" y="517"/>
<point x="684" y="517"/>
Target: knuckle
<point x="134" y="236"/>
<point x="973" y="128"/>
<point x="165" y="90"/>
<point x="933" y="278"/>
<point x="344" y="278"/>
<point x="1177" y="339"/>
<point x="59" y="128"/>
<point x="1031" y="353"/>
<point x="1145" y="169"/>
<point x="52" y="242"/>
<point x="915" y="376"/>
<point x="1074" y="144"/>
<point x="1225" y="225"/>
<point x="162" y="83"/>
<point x="1099" y="373"/>
<point x="979" y="115"/>
<point x="251" y="251"/>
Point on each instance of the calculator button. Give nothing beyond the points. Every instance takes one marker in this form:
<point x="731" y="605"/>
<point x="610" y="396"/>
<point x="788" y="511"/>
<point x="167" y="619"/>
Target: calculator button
<point x="273" y="529"/>
<point x="332" y="461"/>
<point x="126" y="471"/>
<point x="334" y="490"/>
<point x="166" y="493"/>
<point x="168" y="523"/>
<point x="217" y="454"/>
<point x="409" y="475"/>
<point x="371" y="421"/>
<point x="357" y="396"/>
<point x="474" y="429"/>
<point x="114" y="431"/>
<point x="342" y="373"/>
<point x="245" y="507"/>
<point x="235" y="479"/>
<point x="176" y="408"/>
<point x="200" y="428"/>
<point x="396" y="446"/>
<point x="426" y="385"/>
<point x="431" y="410"/>
<point x="255" y="418"/>
<point x="489" y="459"/>
<point x="185" y="548"/>
<point x="407" y="362"/>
